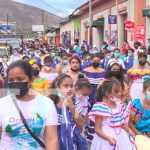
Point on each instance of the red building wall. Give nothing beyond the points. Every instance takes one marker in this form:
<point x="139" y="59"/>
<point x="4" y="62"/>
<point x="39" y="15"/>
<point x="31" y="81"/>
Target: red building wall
<point x="139" y="19"/>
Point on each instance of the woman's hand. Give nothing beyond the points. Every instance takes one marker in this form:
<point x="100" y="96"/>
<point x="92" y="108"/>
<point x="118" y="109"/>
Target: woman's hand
<point x="112" y="141"/>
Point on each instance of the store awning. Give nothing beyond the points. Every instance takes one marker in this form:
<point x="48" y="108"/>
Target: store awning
<point x="146" y="12"/>
<point x="99" y="22"/>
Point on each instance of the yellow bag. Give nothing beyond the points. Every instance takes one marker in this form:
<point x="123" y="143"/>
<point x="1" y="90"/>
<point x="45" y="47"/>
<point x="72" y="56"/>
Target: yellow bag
<point x="142" y="142"/>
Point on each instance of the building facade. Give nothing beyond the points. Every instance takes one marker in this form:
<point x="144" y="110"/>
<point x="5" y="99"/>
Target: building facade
<point x="109" y="22"/>
<point x="113" y="20"/>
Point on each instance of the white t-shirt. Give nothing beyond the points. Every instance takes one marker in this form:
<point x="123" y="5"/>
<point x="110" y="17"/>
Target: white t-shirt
<point x="39" y="113"/>
<point x="15" y="58"/>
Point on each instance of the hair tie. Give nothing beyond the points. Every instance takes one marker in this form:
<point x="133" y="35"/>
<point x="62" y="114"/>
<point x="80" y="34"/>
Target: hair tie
<point x="113" y="62"/>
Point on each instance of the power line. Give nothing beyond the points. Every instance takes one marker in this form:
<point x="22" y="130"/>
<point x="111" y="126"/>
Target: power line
<point x="52" y="7"/>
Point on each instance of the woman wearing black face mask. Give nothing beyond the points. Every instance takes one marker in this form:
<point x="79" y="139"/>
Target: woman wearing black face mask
<point x="115" y="71"/>
<point x="136" y="75"/>
<point x="26" y="111"/>
<point x="39" y="84"/>
<point x="95" y="74"/>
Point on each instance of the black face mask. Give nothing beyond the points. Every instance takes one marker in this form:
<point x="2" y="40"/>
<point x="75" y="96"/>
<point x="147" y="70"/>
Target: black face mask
<point x="75" y="70"/>
<point x="35" y="72"/>
<point x="142" y="63"/>
<point x="95" y="64"/>
<point x="19" y="89"/>
<point x="115" y="73"/>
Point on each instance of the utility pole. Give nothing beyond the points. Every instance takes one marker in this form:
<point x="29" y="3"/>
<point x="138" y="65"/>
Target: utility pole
<point x="90" y="22"/>
<point x="42" y="17"/>
<point x="7" y="19"/>
<point x="43" y="23"/>
<point x="117" y="20"/>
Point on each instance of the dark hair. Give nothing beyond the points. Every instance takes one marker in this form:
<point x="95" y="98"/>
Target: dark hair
<point x="148" y="53"/>
<point x="137" y="44"/>
<point x="16" y="49"/>
<point x="82" y="82"/>
<point x="5" y="56"/>
<point x="53" y="92"/>
<point x="24" y="57"/>
<point x="116" y="49"/>
<point x="107" y="86"/>
<point x="94" y="55"/>
<point x="120" y="78"/>
<point x="64" y="54"/>
<point x="146" y="84"/>
<point x="60" y="79"/>
<point x="24" y="65"/>
<point x="142" y="55"/>
<point x="131" y="49"/>
<point x="108" y="52"/>
<point x="48" y="59"/>
<point x="37" y="63"/>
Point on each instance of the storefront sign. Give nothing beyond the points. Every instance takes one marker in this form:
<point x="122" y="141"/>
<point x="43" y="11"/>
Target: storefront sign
<point x="129" y="25"/>
<point x="140" y="34"/>
<point x="5" y="27"/>
<point x="112" y="19"/>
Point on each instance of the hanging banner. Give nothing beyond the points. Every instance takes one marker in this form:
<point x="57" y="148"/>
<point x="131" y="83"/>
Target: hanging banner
<point x="129" y="25"/>
<point x="140" y="34"/>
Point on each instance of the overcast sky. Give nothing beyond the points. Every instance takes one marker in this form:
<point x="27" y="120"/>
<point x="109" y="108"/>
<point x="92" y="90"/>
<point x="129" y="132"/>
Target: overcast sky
<point x="59" y="7"/>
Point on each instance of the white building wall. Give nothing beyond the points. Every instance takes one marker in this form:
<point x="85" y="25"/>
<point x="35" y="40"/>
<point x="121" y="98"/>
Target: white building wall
<point x="99" y="34"/>
<point x="83" y="29"/>
<point x="120" y="24"/>
<point x="69" y="26"/>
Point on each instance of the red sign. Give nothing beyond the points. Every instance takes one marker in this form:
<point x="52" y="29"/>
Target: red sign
<point x="129" y="25"/>
<point x="140" y="34"/>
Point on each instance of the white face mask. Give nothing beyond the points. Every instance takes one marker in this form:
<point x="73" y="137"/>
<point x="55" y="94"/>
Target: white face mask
<point x="15" y="53"/>
<point x="61" y="95"/>
<point x="47" y="68"/>
<point x="116" y="99"/>
<point x="82" y="98"/>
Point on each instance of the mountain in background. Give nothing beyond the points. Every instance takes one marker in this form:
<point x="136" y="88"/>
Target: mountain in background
<point x="25" y="16"/>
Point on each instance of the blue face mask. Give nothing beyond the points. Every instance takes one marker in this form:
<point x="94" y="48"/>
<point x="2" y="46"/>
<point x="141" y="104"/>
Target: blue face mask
<point x="65" y="62"/>
<point x="53" y="54"/>
<point x="31" y="53"/>
<point x="129" y="54"/>
<point x="148" y="96"/>
<point x="108" y="57"/>
<point x="117" y="54"/>
<point x="88" y="57"/>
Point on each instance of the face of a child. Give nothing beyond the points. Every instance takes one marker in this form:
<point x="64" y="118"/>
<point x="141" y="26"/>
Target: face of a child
<point x="146" y="91"/>
<point x="116" y="92"/>
<point x="84" y="91"/>
<point x="66" y="87"/>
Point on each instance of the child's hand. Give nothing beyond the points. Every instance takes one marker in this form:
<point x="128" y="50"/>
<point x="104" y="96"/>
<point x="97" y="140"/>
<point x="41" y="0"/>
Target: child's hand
<point x="131" y="133"/>
<point x="69" y="103"/>
<point x="112" y="141"/>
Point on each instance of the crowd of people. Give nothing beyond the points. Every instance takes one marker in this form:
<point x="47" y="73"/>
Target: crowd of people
<point x="74" y="98"/>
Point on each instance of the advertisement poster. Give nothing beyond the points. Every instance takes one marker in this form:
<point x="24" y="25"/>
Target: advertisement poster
<point x="129" y="25"/>
<point x="140" y="34"/>
<point x="76" y="28"/>
<point x="114" y="35"/>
